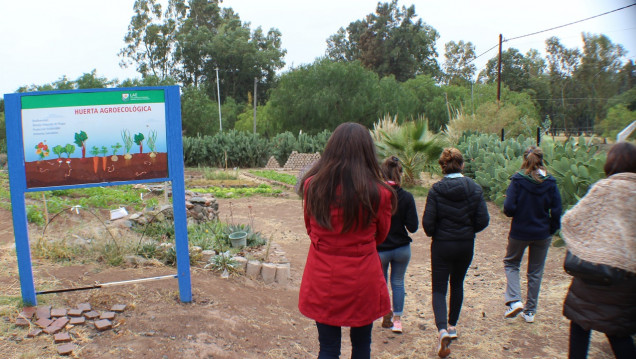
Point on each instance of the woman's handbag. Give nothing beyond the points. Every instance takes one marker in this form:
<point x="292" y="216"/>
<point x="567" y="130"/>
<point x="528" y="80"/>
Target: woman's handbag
<point x="592" y="273"/>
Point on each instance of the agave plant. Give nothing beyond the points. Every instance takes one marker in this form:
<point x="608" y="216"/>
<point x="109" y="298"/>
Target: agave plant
<point x="415" y="146"/>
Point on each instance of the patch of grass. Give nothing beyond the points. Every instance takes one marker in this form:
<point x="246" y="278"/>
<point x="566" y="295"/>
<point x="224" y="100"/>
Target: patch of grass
<point x="276" y="176"/>
<point x="224" y="192"/>
<point x="219" y="175"/>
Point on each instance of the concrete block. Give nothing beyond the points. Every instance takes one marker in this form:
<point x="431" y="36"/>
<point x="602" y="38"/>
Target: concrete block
<point x="28" y="312"/>
<point x="118" y="308"/>
<point x="22" y="322"/>
<point x="58" y="312"/>
<point x="253" y="269"/>
<point x="268" y="271"/>
<point x="75" y="312"/>
<point x="242" y="264"/>
<point x="34" y="333"/>
<point x="77" y="320"/>
<point x="84" y="307"/>
<point x="282" y="273"/>
<point x="91" y="315"/>
<point x="107" y="315"/>
<point x="43" y="323"/>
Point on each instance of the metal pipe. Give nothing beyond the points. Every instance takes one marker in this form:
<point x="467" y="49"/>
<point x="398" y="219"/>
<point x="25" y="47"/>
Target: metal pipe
<point x="109" y="284"/>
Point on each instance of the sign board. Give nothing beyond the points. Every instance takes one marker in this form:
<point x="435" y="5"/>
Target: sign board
<point x="85" y="138"/>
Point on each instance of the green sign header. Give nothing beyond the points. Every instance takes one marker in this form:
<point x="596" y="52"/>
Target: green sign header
<point x="92" y="99"/>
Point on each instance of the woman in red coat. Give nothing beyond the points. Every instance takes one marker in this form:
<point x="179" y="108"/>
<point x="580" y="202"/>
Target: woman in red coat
<point x="347" y="209"/>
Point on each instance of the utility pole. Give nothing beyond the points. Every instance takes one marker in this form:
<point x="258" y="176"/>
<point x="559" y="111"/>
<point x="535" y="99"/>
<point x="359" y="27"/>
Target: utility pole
<point x="499" y="71"/>
<point x="218" y="94"/>
<point x="255" y="83"/>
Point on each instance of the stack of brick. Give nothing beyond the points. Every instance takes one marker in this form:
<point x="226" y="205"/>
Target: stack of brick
<point x="59" y="322"/>
<point x="298" y="161"/>
<point x="272" y="164"/>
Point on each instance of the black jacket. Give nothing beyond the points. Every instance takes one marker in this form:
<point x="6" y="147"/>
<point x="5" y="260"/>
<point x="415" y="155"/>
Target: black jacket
<point x="607" y="309"/>
<point x="455" y="210"/>
<point x="404" y="219"/>
<point x="535" y="207"/>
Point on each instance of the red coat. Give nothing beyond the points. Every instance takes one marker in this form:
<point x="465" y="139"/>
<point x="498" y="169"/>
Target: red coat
<point x="343" y="284"/>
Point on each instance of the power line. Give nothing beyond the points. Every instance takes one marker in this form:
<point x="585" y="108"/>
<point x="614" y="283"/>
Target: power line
<point x="568" y="24"/>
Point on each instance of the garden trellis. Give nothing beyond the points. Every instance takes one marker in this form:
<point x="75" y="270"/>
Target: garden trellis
<point x="96" y="119"/>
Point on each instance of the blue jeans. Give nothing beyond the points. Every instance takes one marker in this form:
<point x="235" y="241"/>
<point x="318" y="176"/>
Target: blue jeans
<point x="330" y="338"/>
<point x="399" y="259"/>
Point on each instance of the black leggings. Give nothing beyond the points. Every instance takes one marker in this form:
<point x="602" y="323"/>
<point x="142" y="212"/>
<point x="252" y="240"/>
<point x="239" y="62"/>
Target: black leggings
<point x="449" y="259"/>
<point x="623" y="347"/>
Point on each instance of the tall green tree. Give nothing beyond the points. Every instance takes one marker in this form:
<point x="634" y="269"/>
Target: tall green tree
<point x="322" y="95"/>
<point x="458" y="68"/>
<point x="151" y="37"/>
<point x="513" y="70"/>
<point x="392" y="41"/>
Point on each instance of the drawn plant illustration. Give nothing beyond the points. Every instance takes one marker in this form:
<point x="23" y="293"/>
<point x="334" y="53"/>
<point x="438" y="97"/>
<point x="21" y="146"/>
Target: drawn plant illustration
<point x="104" y="152"/>
<point x="80" y="140"/>
<point x="59" y="150"/>
<point x="95" y="152"/>
<point x="152" y="143"/>
<point x="128" y="142"/>
<point x="139" y="140"/>
<point x="42" y="150"/>
<point x="115" y="148"/>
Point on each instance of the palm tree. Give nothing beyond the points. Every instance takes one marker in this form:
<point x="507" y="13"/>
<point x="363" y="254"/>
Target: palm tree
<point x="413" y="144"/>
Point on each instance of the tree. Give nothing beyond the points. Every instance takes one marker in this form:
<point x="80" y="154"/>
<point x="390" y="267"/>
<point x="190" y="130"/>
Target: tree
<point x="513" y="70"/>
<point x="391" y="41"/>
<point x="562" y="63"/>
<point x="199" y="112"/>
<point x="89" y="81"/>
<point x="458" y="66"/>
<point x="323" y="95"/>
<point x="150" y="39"/>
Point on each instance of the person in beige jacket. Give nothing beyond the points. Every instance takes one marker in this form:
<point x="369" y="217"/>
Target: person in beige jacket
<point x="601" y="229"/>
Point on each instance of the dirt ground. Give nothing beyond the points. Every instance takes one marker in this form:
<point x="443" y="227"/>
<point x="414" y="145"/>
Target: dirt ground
<point x="242" y="318"/>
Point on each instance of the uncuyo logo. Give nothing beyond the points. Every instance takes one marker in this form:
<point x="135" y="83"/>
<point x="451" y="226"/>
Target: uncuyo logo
<point x="125" y="97"/>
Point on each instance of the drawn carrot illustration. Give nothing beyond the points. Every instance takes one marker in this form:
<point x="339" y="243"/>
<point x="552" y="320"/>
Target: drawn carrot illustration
<point x="95" y="152"/>
<point x="104" y="151"/>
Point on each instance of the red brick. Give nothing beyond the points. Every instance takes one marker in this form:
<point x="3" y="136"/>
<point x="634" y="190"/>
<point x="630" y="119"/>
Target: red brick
<point x="28" y="312"/>
<point x="21" y="322"/>
<point x="103" y="324"/>
<point x="65" y="349"/>
<point x="84" y="307"/>
<point x="43" y="323"/>
<point x="43" y="312"/>
<point x="118" y="308"/>
<point x="52" y="329"/>
<point x="107" y="315"/>
<point x="91" y="315"/>
<point x="60" y="322"/>
<point x="58" y="312"/>
<point x="63" y="337"/>
<point x="34" y="333"/>
<point x="75" y="312"/>
<point x="77" y="320"/>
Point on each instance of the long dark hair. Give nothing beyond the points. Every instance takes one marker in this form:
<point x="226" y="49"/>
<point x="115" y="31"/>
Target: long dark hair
<point x="392" y="170"/>
<point x="347" y="176"/>
<point x="620" y="158"/>
<point x="533" y="161"/>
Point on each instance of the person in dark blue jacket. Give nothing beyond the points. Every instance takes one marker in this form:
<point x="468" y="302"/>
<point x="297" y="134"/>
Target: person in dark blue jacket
<point x="396" y="248"/>
<point x="534" y="203"/>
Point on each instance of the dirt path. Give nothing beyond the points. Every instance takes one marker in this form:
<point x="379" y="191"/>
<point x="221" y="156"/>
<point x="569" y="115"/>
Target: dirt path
<point x="242" y="318"/>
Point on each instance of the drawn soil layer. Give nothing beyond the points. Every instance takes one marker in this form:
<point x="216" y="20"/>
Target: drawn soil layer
<point x="51" y="173"/>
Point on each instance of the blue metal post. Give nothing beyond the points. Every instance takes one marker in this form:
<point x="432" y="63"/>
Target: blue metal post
<point x="17" y="180"/>
<point x="175" y="167"/>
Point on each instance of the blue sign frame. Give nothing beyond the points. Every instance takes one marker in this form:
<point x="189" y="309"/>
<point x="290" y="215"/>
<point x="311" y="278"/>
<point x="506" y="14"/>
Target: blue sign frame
<point x="18" y="184"/>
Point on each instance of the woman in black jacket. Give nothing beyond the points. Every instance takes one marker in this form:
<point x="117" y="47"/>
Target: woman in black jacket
<point x="601" y="229"/>
<point x="396" y="248"/>
<point x="455" y="211"/>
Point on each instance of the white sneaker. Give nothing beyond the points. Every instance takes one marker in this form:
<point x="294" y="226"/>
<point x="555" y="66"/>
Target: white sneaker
<point x="513" y="309"/>
<point x="529" y="317"/>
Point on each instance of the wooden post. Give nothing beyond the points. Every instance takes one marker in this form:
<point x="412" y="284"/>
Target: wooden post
<point x="499" y="71"/>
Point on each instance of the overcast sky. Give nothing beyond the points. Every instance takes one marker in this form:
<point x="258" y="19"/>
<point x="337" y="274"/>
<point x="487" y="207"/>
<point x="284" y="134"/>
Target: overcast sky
<point x="42" y="40"/>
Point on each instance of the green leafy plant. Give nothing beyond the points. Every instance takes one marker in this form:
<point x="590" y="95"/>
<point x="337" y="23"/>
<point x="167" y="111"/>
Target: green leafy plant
<point x="139" y="141"/>
<point x="80" y="140"/>
<point x="276" y="176"/>
<point x="128" y="142"/>
<point x="152" y="142"/>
